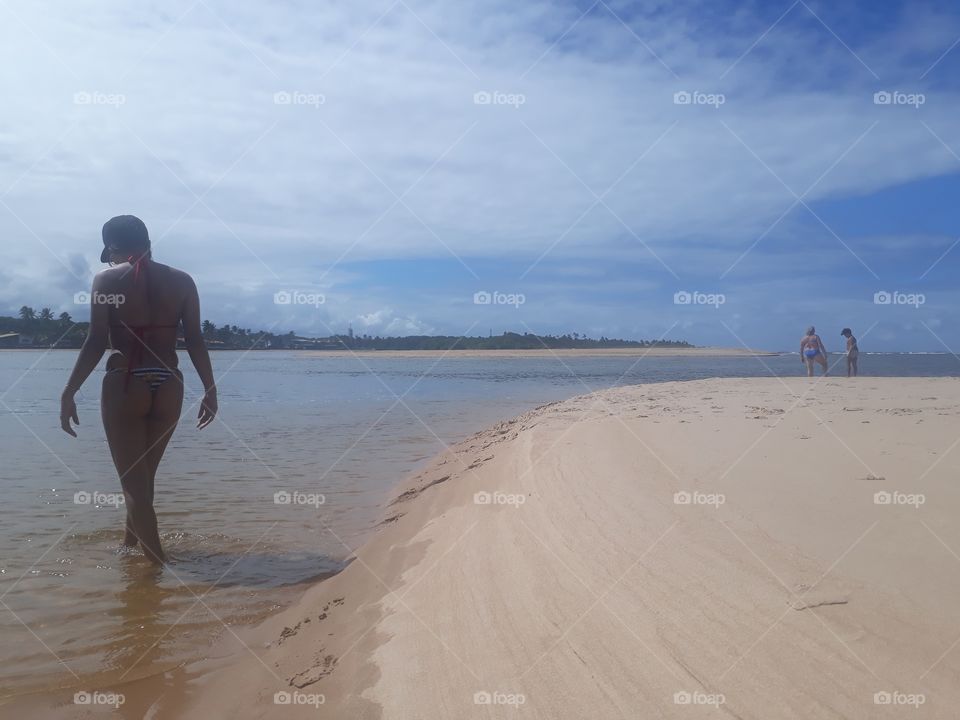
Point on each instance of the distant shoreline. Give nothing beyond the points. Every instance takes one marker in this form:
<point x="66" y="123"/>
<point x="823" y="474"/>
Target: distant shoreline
<point x="476" y="353"/>
<point x="547" y="353"/>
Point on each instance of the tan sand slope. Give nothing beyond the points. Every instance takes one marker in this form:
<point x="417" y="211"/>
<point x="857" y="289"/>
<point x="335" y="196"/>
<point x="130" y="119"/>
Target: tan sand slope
<point x="701" y="549"/>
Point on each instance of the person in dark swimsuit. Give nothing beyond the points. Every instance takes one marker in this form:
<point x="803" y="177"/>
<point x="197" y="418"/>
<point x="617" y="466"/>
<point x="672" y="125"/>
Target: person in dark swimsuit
<point x="853" y="352"/>
<point x="812" y="350"/>
<point x="136" y="307"/>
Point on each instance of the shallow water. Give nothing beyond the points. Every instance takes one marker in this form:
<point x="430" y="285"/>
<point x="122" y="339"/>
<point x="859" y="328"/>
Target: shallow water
<point x="75" y="612"/>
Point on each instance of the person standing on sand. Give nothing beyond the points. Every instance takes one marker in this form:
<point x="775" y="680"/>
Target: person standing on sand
<point x="853" y="352"/>
<point x="137" y="306"/>
<point x="812" y="350"/>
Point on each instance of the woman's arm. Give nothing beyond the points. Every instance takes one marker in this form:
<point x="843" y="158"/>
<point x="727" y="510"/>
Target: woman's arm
<point x="199" y="356"/>
<point x="89" y="357"/>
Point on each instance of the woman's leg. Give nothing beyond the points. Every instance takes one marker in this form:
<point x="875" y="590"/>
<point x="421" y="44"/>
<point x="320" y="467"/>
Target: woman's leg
<point x="125" y="407"/>
<point x="809" y="362"/>
<point x="162" y="421"/>
<point x="822" y="359"/>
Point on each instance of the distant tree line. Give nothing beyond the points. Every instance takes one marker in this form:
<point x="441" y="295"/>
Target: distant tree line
<point x="506" y="341"/>
<point x="44" y="329"/>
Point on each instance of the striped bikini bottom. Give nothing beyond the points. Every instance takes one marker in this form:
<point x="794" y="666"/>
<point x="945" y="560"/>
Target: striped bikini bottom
<point x="153" y="376"/>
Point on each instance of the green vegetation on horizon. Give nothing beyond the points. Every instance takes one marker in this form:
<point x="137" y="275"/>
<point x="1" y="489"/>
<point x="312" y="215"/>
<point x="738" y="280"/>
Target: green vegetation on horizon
<point x="43" y="329"/>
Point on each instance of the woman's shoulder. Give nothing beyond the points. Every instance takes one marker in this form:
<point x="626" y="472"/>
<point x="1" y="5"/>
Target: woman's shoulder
<point x="174" y="274"/>
<point x="110" y="276"/>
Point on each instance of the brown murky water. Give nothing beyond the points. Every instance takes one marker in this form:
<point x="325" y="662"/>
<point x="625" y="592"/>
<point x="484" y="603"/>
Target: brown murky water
<point x="75" y="612"/>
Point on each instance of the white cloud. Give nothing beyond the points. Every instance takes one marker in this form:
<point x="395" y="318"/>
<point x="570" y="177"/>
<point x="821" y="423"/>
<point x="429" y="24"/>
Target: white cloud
<point x="287" y="190"/>
<point x="385" y="322"/>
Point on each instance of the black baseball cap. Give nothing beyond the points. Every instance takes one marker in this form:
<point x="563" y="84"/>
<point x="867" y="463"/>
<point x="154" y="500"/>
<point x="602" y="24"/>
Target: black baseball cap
<point x="123" y="233"/>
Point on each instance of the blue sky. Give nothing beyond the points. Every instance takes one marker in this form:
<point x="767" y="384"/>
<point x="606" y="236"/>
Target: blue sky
<point x="398" y="157"/>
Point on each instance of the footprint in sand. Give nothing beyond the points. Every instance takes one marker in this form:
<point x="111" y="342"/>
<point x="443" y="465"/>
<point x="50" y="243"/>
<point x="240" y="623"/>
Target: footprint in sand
<point x="812" y="604"/>
<point x="311" y="675"/>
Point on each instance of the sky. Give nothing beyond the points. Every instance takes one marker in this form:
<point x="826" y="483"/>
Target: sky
<point x="723" y="173"/>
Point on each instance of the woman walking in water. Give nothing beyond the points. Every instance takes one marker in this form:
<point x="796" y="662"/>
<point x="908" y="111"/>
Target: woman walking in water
<point x="812" y="350"/>
<point x="137" y="306"/>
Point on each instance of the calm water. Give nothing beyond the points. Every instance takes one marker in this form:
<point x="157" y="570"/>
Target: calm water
<point x="74" y="612"/>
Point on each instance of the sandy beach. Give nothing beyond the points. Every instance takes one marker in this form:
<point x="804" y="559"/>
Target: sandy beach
<point x="756" y="548"/>
<point x="643" y="550"/>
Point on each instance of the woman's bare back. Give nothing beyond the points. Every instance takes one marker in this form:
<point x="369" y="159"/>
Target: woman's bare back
<point x="146" y="306"/>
